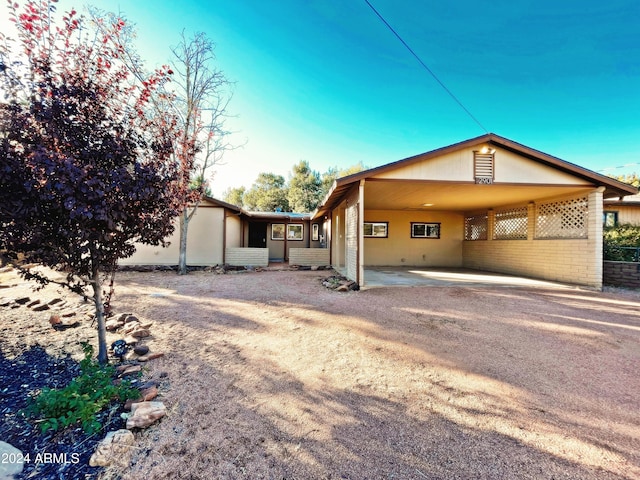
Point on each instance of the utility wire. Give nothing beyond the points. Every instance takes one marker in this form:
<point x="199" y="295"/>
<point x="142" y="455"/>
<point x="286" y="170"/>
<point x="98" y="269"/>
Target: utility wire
<point x="619" y="166"/>
<point x="424" y="65"/>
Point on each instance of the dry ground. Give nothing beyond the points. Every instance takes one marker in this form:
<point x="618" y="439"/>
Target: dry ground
<point x="270" y="375"/>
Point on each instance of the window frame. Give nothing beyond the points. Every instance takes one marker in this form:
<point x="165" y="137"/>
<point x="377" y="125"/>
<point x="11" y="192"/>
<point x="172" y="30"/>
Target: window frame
<point x="609" y="213"/>
<point x="281" y="231"/>
<point x="315" y="232"/>
<point x="373" y="225"/>
<point x="427" y="226"/>
<point x="294" y="238"/>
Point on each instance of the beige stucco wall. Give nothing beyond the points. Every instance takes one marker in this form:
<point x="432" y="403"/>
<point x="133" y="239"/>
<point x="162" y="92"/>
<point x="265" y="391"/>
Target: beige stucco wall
<point x="576" y="261"/>
<point x="400" y="249"/>
<point x="205" y="241"/>
<point x="233" y="230"/>
<point x="626" y="213"/>
<point x="458" y="166"/>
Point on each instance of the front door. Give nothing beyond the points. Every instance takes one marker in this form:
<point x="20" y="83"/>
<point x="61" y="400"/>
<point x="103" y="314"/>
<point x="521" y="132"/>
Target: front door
<point x="257" y="235"/>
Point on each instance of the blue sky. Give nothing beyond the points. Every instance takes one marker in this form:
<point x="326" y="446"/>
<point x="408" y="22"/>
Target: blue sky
<point x="327" y="82"/>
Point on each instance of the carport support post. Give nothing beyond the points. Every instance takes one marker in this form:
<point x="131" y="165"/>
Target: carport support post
<point x="491" y="219"/>
<point x="531" y="223"/>
<point x="360" y="270"/>
<point x="594" y="234"/>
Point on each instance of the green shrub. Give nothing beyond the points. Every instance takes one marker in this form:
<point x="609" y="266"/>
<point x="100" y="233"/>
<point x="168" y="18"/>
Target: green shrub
<point x="81" y="400"/>
<point x="615" y="238"/>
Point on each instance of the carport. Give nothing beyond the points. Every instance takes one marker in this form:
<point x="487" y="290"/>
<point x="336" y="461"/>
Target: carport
<point x="487" y="204"/>
<point x="440" y="277"/>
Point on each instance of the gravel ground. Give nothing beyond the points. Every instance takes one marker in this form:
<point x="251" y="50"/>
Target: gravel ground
<point x="270" y="375"/>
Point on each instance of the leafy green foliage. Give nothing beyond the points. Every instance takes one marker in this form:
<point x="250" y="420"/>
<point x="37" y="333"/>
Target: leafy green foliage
<point x="303" y="193"/>
<point x="268" y="194"/>
<point x="630" y="178"/>
<point x="304" y="188"/>
<point x="81" y="400"/>
<point x="616" y="238"/>
<point x="234" y="196"/>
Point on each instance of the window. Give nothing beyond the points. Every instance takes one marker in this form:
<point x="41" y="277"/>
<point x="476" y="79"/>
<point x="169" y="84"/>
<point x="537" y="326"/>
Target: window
<point x="315" y="236"/>
<point x="609" y="219"/>
<point x="376" y="229"/>
<point x="277" y="231"/>
<point x="295" y="231"/>
<point x="425" y="230"/>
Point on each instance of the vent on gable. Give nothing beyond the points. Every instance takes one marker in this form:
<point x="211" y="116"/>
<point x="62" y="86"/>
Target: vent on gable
<point x="483" y="162"/>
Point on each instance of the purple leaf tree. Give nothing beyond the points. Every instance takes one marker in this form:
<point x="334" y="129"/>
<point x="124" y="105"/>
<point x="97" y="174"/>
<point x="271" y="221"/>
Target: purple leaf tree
<point x="85" y="162"/>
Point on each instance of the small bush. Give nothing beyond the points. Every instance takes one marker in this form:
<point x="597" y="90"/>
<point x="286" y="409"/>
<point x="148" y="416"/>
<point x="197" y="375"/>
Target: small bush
<point x="81" y="400"/>
<point x="615" y="238"/>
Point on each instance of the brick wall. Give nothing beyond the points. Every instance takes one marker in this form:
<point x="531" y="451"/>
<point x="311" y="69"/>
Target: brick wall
<point x="309" y="256"/>
<point x="244" y="257"/>
<point x="577" y="261"/>
<point x="621" y="274"/>
<point x="569" y="261"/>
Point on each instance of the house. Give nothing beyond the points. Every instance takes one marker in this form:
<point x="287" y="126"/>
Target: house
<point x="487" y="203"/>
<point x="222" y="233"/>
<point x="621" y="210"/>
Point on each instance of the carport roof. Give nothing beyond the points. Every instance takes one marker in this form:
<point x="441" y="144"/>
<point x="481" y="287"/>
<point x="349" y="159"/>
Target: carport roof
<point x="613" y="188"/>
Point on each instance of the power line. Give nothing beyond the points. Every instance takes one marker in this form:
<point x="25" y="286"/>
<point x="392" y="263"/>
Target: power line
<point x="424" y="65"/>
<point x="619" y="166"/>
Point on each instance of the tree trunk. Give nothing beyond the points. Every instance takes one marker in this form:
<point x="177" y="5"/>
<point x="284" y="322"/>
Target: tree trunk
<point x="102" y="331"/>
<point x="182" y="257"/>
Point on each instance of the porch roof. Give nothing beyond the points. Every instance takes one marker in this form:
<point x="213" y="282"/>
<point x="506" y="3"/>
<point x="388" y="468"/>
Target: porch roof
<point x="465" y="196"/>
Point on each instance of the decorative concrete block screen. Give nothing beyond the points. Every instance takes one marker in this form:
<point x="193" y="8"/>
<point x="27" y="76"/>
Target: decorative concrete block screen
<point x="476" y="227"/>
<point x="309" y="257"/>
<point x="351" y="255"/>
<point x="247" y="257"/>
<point x="510" y="224"/>
<point x="562" y="219"/>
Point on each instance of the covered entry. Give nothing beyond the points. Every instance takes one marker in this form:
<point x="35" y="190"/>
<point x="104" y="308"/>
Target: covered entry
<point x="488" y="203"/>
<point x="257" y="235"/>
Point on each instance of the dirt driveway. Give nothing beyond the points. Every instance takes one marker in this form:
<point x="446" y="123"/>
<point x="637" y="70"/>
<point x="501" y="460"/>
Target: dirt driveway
<point x="270" y="375"/>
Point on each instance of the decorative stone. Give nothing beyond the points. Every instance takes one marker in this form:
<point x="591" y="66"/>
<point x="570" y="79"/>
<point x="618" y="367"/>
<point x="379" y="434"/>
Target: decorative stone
<point x="41" y="308"/>
<point x="141" y="333"/>
<point x="54" y="301"/>
<point x="141" y="349"/>
<point x="130" y="355"/>
<point x="112" y="325"/>
<point x="33" y="303"/>
<point x="149" y="393"/>
<point x="115" y="448"/>
<point x="153" y="356"/>
<point x="54" y="319"/>
<point x="11" y="462"/>
<point x="131" y="369"/>
<point x="130" y="318"/>
<point x="68" y="314"/>
<point x="129" y="403"/>
<point x="129" y="327"/>
<point x="144" y="414"/>
<point x="131" y="340"/>
<point x="66" y="323"/>
<point x="22" y="300"/>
